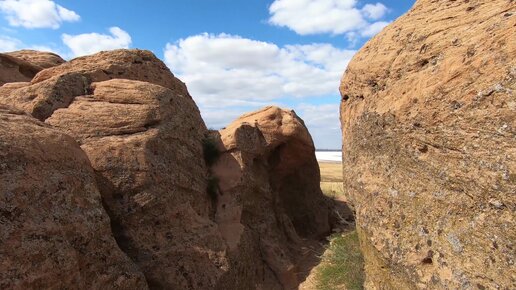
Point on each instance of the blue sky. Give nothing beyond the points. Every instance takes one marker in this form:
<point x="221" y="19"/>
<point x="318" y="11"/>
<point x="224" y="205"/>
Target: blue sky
<point x="235" y="56"/>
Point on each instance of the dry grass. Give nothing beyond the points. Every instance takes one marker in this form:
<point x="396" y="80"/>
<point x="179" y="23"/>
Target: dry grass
<point x="331" y="179"/>
<point x="333" y="189"/>
<point x="331" y="171"/>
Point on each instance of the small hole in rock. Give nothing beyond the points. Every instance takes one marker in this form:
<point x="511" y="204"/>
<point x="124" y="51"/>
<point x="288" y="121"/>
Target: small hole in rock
<point x="427" y="260"/>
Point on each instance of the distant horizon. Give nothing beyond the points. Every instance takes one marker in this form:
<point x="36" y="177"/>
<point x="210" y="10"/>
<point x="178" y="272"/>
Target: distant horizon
<point x="328" y="150"/>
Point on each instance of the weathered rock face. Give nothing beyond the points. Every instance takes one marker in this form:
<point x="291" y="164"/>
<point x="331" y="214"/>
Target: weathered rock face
<point x="145" y="143"/>
<point x="142" y="140"/>
<point x="13" y="69"/>
<point x="269" y="197"/>
<point x="23" y="65"/>
<point x="43" y="98"/>
<point x="54" y="233"/>
<point x="38" y="58"/>
<point x="428" y="120"/>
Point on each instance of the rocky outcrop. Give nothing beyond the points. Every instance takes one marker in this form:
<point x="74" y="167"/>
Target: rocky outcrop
<point x="145" y="143"/>
<point x="268" y="197"/>
<point x="38" y="58"/>
<point x="54" y="233"/>
<point x="428" y="126"/>
<point x="43" y="98"/>
<point x="23" y="65"/>
<point x="13" y="69"/>
<point x="144" y="150"/>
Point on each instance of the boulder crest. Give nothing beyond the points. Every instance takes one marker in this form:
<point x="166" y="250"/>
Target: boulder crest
<point x="428" y="127"/>
<point x="268" y="188"/>
<point x="131" y="64"/>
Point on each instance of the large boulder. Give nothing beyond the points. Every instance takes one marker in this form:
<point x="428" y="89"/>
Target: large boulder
<point x="269" y="202"/>
<point x="54" y="233"/>
<point x="145" y="143"/>
<point x="41" y="59"/>
<point x="187" y="219"/>
<point x="428" y="120"/>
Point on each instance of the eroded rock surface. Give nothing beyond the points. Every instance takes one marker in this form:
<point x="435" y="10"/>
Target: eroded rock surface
<point x="38" y="58"/>
<point x="43" y="98"/>
<point x="142" y="139"/>
<point x="428" y="120"/>
<point x="13" y="69"/>
<point x="23" y="65"/>
<point x="145" y="143"/>
<point x="54" y="233"/>
<point x="269" y="200"/>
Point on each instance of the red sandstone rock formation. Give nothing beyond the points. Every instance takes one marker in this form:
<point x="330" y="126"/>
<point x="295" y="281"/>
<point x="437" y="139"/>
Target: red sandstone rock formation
<point x="13" y="69"/>
<point x="428" y="120"/>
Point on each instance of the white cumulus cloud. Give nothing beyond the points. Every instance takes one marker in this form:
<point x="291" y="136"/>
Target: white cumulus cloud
<point x="9" y="44"/>
<point x="374" y="11"/>
<point x="323" y="122"/>
<point x="36" y="13"/>
<point x="229" y="75"/>
<point x="238" y="68"/>
<point x="325" y="16"/>
<point x="88" y="43"/>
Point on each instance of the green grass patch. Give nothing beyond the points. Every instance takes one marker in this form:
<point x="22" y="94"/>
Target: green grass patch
<point x="342" y="266"/>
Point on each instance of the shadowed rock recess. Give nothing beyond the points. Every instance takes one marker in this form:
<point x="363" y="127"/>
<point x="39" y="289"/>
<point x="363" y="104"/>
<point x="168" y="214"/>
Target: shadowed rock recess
<point x="116" y="134"/>
<point x="428" y="121"/>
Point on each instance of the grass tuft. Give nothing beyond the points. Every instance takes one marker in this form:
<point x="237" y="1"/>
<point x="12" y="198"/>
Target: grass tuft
<point x="333" y="189"/>
<point x="342" y="264"/>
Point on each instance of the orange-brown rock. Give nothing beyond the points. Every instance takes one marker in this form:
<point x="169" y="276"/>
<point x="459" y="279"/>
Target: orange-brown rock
<point x="428" y="119"/>
<point x="56" y="87"/>
<point x="13" y="69"/>
<point x="54" y="233"/>
<point x="41" y="59"/>
<point x="43" y="98"/>
<point x="142" y="141"/>
<point x="269" y="198"/>
<point x="133" y="64"/>
<point x="145" y="143"/>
